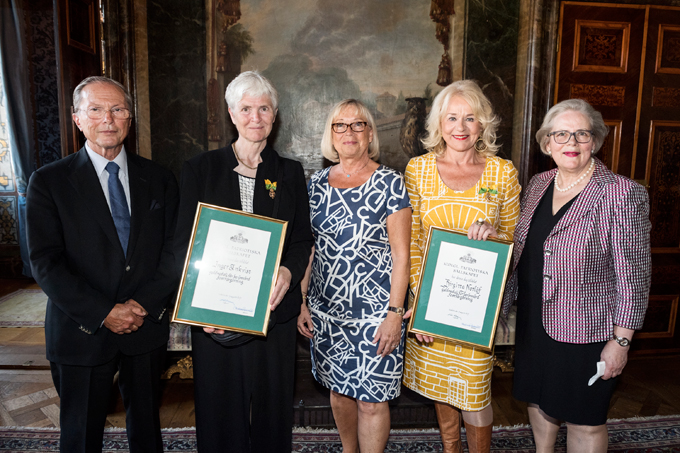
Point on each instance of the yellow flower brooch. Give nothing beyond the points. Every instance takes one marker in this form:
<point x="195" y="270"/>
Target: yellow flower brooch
<point x="491" y="189"/>
<point x="271" y="186"/>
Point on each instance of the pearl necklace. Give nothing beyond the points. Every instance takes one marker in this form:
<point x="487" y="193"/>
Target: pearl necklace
<point x="350" y="174"/>
<point x="557" y="186"/>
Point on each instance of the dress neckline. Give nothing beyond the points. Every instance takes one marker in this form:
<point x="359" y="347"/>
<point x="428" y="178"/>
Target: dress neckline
<point x="475" y="186"/>
<point x="380" y="166"/>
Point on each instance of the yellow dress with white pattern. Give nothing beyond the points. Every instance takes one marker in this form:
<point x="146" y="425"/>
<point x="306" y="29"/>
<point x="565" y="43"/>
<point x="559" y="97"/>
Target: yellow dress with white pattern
<point x="445" y="371"/>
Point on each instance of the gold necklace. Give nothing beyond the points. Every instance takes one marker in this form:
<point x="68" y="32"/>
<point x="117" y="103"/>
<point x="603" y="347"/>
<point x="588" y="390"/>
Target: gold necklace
<point x="239" y="159"/>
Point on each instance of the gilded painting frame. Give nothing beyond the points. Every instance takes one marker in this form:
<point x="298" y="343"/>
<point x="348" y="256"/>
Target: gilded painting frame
<point x="220" y="268"/>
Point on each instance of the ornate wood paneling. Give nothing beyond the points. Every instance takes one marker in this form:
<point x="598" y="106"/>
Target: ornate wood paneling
<point x="597" y="95"/>
<point x="668" y="49"/>
<point x="78" y="57"/>
<point x="80" y="25"/>
<point x="609" y="152"/>
<point x="625" y="61"/>
<point x="666" y="97"/>
<point x="663" y="174"/>
<point x="660" y="318"/>
<point x="599" y="60"/>
<point x="601" y="46"/>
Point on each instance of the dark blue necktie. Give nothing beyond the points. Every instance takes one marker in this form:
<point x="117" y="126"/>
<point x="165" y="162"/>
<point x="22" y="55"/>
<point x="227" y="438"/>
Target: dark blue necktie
<point x="119" y="206"/>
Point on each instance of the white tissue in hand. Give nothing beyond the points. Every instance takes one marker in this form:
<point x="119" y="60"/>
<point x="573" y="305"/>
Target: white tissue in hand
<point x="600" y="373"/>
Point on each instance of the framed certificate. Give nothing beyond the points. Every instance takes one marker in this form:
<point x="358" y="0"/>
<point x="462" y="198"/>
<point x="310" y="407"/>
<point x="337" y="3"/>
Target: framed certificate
<point x="461" y="288"/>
<point x="230" y="270"/>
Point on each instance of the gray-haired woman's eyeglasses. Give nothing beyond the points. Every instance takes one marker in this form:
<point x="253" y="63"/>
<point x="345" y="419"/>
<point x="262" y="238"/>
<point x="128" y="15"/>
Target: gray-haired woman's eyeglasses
<point x="562" y="137"/>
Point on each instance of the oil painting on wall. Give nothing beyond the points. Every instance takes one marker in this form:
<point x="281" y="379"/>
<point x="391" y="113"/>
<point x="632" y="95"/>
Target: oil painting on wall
<point x="316" y="53"/>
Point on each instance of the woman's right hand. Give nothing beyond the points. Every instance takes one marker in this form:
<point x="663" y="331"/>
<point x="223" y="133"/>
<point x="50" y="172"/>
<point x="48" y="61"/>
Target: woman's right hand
<point x="424" y="338"/>
<point x="304" y="322"/>
<point x="481" y="229"/>
<point x="213" y="330"/>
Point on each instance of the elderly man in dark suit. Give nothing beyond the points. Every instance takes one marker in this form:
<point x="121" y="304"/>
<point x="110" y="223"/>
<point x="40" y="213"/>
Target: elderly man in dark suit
<point x="100" y="228"/>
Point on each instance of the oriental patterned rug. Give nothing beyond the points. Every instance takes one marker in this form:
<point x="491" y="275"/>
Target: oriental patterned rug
<point x="648" y="435"/>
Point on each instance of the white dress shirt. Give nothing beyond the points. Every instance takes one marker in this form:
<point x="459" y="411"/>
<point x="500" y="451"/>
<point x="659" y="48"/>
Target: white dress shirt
<point x="100" y="162"/>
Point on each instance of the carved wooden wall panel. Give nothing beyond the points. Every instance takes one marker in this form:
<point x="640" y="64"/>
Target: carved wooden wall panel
<point x="666" y="97"/>
<point x="625" y="61"/>
<point x="80" y="25"/>
<point x="660" y="318"/>
<point x="78" y="56"/>
<point x="658" y="161"/>
<point x="663" y="174"/>
<point x="668" y="49"/>
<point x="598" y="95"/>
<point x="609" y="152"/>
<point x="601" y="46"/>
<point x="600" y="60"/>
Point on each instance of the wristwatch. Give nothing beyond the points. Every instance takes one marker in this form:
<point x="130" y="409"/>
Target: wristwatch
<point x="398" y="310"/>
<point x="622" y="341"/>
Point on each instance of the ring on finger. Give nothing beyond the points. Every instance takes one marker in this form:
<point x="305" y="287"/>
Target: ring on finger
<point x="479" y="222"/>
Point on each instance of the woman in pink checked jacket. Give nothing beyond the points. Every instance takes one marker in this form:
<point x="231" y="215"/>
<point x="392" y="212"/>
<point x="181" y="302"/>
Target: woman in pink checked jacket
<point x="581" y="276"/>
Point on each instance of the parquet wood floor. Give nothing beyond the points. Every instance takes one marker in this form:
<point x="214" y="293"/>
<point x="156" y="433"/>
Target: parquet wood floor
<point x="648" y="386"/>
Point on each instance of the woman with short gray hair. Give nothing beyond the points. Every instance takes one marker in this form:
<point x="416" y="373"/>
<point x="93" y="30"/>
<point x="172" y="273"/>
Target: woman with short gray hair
<point x="581" y="276"/>
<point x="243" y="385"/>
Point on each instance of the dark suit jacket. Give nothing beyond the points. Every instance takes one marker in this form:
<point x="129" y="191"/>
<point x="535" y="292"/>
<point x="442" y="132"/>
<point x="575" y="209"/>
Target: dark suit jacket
<point x="77" y="259"/>
<point x="209" y="177"/>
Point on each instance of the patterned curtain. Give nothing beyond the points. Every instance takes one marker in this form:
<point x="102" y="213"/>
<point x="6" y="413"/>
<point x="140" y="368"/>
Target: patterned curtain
<point x="15" y="76"/>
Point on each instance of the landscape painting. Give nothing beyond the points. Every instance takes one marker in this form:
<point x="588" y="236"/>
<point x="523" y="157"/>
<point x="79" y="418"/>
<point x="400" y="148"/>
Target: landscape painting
<point x="318" y="52"/>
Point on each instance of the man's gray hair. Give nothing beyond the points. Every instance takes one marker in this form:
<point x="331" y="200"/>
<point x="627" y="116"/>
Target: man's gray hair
<point x="252" y="83"/>
<point x="77" y="93"/>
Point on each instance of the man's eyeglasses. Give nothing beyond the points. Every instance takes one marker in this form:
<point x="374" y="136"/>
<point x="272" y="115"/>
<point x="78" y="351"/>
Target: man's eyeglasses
<point x="97" y="113"/>
<point x="562" y="137"/>
<point x="340" y="128"/>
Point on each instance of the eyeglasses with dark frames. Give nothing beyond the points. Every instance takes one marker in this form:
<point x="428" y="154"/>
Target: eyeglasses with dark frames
<point x="340" y="128"/>
<point x="562" y="137"/>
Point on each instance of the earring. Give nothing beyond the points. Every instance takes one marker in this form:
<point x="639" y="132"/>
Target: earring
<point x="478" y="147"/>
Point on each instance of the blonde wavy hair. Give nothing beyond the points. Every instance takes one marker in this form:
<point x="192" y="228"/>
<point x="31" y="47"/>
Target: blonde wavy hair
<point x="481" y="108"/>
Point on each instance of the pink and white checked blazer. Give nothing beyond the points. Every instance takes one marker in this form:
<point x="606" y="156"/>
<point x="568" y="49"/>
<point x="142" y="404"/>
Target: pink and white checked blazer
<point x="597" y="268"/>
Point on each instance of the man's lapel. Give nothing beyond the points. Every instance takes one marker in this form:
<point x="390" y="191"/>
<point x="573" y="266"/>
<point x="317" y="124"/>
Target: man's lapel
<point x="140" y="199"/>
<point x="84" y="179"/>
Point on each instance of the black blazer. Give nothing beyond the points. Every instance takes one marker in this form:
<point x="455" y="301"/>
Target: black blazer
<point x="78" y="261"/>
<point x="209" y="178"/>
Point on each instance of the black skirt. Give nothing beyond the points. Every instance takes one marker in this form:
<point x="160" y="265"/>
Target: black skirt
<point x="549" y="373"/>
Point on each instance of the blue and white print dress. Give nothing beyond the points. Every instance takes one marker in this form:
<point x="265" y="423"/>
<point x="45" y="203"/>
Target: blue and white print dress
<point x="349" y="290"/>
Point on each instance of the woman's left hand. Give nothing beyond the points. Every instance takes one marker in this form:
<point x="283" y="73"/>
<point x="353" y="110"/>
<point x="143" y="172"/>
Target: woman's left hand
<point x="281" y="287"/>
<point x="480" y="231"/>
<point x="389" y="333"/>
<point x="615" y="358"/>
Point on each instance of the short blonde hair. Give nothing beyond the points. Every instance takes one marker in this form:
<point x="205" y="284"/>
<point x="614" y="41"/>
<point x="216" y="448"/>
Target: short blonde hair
<point x="481" y="108"/>
<point x="327" y="148"/>
<point x="597" y="125"/>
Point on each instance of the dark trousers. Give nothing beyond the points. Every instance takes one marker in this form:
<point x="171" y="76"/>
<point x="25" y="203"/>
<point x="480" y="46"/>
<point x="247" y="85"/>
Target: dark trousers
<point x="84" y="393"/>
<point x="244" y="394"/>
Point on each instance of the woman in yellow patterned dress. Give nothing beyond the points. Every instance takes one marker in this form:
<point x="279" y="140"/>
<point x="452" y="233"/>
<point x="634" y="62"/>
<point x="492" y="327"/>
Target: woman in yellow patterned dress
<point x="459" y="184"/>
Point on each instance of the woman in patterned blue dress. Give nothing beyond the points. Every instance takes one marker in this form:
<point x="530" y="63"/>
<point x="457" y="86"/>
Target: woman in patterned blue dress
<point x="357" y="279"/>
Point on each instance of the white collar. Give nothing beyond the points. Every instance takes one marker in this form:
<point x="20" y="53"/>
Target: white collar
<point x="100" y="161"/>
